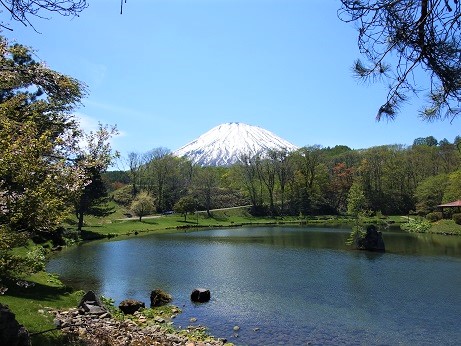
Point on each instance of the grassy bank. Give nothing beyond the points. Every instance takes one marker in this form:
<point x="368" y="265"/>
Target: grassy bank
<point x="121" y="227"/>
<point x="422" y="225"/>
<point x="31" y="305"/>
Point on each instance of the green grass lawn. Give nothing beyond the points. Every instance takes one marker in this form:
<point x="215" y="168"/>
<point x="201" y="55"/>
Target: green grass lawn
<point x="445" y="227"/>
<point x="115" y="227"/>
<point x="31" y="305"/>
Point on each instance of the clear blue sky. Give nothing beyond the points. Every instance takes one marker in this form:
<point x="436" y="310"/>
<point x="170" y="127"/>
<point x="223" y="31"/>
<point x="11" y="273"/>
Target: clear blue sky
<point x="166" y="71"/>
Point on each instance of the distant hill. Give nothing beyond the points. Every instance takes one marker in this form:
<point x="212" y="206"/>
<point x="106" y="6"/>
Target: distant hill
<point x="224" y="144"/>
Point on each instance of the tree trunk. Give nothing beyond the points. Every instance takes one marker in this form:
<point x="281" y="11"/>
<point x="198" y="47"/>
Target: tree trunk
<point x="80" y="221"/>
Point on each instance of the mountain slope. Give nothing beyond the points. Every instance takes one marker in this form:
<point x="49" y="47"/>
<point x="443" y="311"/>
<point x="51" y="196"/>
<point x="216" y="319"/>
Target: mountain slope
<point x="224" y="144"/>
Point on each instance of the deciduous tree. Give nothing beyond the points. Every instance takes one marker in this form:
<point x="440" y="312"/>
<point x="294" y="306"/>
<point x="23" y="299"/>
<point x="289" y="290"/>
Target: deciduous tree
<point x="142" y="205"/>
<point x="185" y="205"/>
<point x="95" y="158"/>
<point x="38" y="142"/>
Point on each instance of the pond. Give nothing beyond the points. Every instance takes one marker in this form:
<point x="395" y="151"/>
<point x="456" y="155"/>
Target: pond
<point x="286" y="285"/>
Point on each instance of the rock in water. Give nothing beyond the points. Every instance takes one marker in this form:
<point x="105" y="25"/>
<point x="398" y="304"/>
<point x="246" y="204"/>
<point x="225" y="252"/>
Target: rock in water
<point x="159" y="297"/>
<point x="130" y="306"/>
<point x="200" y="295"/>
<point x="373" y="240"/>
<point x="11" y="332"/>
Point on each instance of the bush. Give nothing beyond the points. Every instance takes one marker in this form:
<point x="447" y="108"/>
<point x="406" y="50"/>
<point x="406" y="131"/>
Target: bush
<point x="457" y="218"/>
<point x="416" y="226"/>
<point x="123" y="195"/>
<point x="434" y="216"/>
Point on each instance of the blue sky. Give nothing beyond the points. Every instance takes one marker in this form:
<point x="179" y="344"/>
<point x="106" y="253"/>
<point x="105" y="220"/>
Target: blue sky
<point x="166" y="71"/>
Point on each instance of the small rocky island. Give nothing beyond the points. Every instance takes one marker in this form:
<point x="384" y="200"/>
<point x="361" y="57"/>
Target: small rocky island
<point x="371" y="240"/>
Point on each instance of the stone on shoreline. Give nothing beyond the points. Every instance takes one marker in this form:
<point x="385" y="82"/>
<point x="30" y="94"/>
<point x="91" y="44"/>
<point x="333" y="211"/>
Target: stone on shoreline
<point x="130" y="306"/>
<point x="109" y="331"/>
<point x="159" y="297"/>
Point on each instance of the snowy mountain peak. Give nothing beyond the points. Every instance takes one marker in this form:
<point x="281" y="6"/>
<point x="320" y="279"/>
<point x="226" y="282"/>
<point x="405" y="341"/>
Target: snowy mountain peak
<point x="224" y="144"/>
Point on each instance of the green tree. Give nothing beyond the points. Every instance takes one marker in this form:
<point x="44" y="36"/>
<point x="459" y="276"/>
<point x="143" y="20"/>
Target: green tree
<point x="285" y="171"/>
<point x="429" y="141"/>
<point x="38" y="142"/>
<point x="95" y="159"/>
<point x="417" y="37"/>
<point x="356" y="201"/>
<point x="185" y="205"/>
<point x="267" y="173"/>
<point x="251" y="180"/>
<point x="135" y="162"/>
<point x="310" y="179"/>
<point x="142" y="205"/>
<point x="205" y="186"/>
<point x="453" y="187"/>
<point x="340" y="184"/>
<point x="429" y="193"/>
<point x="38" y="136"/>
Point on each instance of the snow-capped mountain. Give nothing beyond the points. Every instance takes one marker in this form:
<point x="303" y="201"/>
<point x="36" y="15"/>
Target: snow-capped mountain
<point x="224" y="144"/>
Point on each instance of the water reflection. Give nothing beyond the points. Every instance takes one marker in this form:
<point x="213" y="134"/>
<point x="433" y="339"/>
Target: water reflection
<point x="297" y="285"/>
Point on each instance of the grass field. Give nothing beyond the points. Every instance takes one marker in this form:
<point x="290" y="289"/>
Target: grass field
<point x="31" y="305"/>
<point x="233" y="217"/>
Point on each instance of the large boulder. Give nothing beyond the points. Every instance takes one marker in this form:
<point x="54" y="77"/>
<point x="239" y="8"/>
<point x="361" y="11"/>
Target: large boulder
<point x="159" y="297"/>
<point x="90" y="298"/>
<point x="130" y="306"/>
<point x="11" y="332"/>
<point x="90" y="304"/>
<point x="372" y="241"/>
<point x="200" y="295"/>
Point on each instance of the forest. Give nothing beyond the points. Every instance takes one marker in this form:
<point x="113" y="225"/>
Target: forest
<point x="390" y="179"/>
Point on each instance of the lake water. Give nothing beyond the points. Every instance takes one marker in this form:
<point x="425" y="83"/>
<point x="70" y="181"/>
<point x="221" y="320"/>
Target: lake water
<point x="286" y="285"/>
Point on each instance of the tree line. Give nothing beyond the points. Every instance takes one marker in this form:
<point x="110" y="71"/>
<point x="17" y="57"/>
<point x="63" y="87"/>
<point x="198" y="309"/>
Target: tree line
<point x="390" y="179"/>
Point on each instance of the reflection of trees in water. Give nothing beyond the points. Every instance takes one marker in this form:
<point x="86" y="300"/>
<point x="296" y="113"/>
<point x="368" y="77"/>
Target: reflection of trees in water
<point x="423" y="244"/>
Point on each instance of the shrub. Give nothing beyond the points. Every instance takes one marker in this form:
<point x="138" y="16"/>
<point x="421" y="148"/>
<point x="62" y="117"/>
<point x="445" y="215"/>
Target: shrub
<point x="123" y="195"/>
<point x="416" y="226"/>
<point x="457" y="218"/>
<point x="434" y="216"/>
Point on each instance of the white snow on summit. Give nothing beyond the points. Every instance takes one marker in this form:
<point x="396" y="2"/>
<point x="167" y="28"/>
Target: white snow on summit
<point x="224" y="144"/>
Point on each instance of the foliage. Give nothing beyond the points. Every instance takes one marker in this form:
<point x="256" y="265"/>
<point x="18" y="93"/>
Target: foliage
<point x="38" y="144"/>
<point x="457" y="218"/>
<point x="358" y="233"/>
<point x="356" y="201"/>
<point x="416" y="226"/>
<point x="434" y="216"/>
<point x="393" y="179"/>
<point x="452" y="191"/>
<point x="123" y="195"/>
<point x="418" y="37"/>
<point x="94" y="159"/>
<point x="185" y="205"/>
<point x="429" y="193"/>
<point x="142" y="205"/>
<point x="37" y="136"/>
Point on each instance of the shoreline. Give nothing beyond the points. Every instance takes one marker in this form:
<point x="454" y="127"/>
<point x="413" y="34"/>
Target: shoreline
<point x="137" y="329"/>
